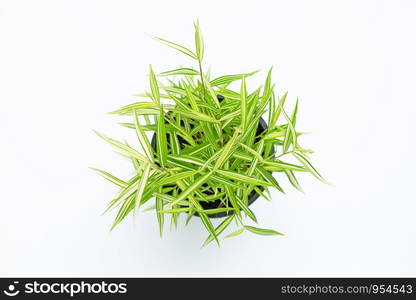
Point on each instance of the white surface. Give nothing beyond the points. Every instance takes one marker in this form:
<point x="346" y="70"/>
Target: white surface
<point x="64" y="64"/>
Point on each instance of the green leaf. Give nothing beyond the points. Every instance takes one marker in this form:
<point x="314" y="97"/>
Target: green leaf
<point x="141" y="135"/>
<point x="185" y="135"/>
<point x="243" y="99"/>
<point x="235" y="233"/>
<point x="269" y="178"/>
<point x="211" y="197"/>
<point x="226" y="151"/>
<point x="196" y="115"/>
<point x="173" y="90"/>
<point x="176" y="177"/>
<point x="227" y="79"/>
<point x="267" y="91"/>
<point x="290" y="137"/>
<point x="252" y="151"/>
<point x="176" y="210"/>
<point x="225" y="181"/>
<point x="125" y="194"/>
<point x="124" y="148"/>
<point x="243" y="178"/>
<point x="160" y="216"/>
<point x="161" y="144"/>
<point x="211" y="91"/>
<point x="216" y="210"/>
<point x="231" y="115"/>
<point x="180" y="71"/>
<point x="191" y="213"/>
<point x="276" y="114"/>
<point x="292" y="179"/>
<point x="257" y="158"/>
<point x="208" y="225"/>
<point x="302" y="158"/>
<point x="191" y="99"/>
<point x="242" y="155"/>
<point x="261" y="231"/>
<point x="272" y="110"/>
<point x="174" y="143"/>
<point x="199" y="42"/>
<point x="277" y="165"/>
<point x="191" y="189"/>
<point x="247" y="210"/>
<point x="170" y="199"/>
<point x="220" y="228"/>
<point x="188" y="159"/>
<point x="258" y="191"/>
<point x="273" y="134"/>
<point x="127" y="206"/>
<point x="138" y="106"/>
<point x="295" y="111"/>
<point x="231" y="196"/>
<point x="178" y="47"/>
<point x="154" y="86"/>
<point x="142" y="184"/>
<point x="111" y="178"/>
<point x="193" y="150"/>
<point x="252" y="104"/>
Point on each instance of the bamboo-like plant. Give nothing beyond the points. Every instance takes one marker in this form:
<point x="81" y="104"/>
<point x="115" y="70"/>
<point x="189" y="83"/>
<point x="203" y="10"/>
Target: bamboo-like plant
<point x="211" y="154"/>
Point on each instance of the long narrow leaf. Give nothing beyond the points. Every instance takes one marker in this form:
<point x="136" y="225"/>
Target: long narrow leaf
<point x="220" y="228"/>
<point x="178" y="47"/>
<point x="243" y="178"/>
<point x="226" y="151"/>
<point x="137" y="106"/>
<point x="196" y="115"/>
<point x="180" y="71"/>
<point x="154" y="86"/>
<point x="302" y="158"/>
<point x="141" y="135"/>
<point x="227" y="79"/>
<point x="111" y="178"/>
<point x="123" y="147"/>
<point x="175" y="177"/>
<point x="243" y="99"/>
<point x="142" y="185"/>
<point x="269" y="178"/>
<point x="162" y="147"/>
<point x="247" y="210"/>
<point x="208" y="225"/>
<point x="160" y="216"/>
<point x="274" y="165"/>
<point x="292" y="179"/>
<point x="262" y="231"/>
<point x="235" y="233"/>
<point x="199" y="42"/>
<point x="191" y="189"/>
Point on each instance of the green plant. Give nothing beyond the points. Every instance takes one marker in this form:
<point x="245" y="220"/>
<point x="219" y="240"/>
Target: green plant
<point x="207" y="149"/>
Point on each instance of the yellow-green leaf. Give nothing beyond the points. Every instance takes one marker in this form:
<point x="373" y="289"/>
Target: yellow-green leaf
<point x="178" y="47"/>
<point x="141" y="135"/>
<point x="235" y="233"/>
<point x="220" y="228"/>
<point x="262" y="231"/>
<point x="180" y="71"/>
<point x="154" y="86"/>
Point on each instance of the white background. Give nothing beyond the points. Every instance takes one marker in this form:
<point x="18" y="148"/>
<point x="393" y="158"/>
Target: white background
<point x="64" y="64"/>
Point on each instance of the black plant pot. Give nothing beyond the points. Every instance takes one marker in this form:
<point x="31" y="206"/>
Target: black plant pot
<point x="215" y="204"/>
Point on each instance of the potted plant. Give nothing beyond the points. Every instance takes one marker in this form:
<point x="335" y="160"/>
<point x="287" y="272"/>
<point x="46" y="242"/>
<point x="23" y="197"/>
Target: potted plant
<point x="211" y="154"/>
